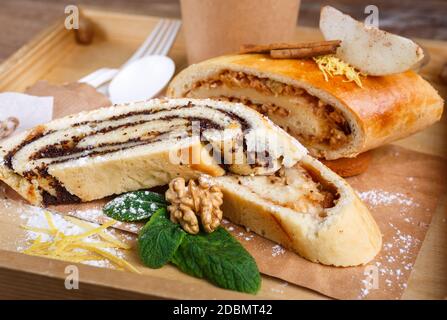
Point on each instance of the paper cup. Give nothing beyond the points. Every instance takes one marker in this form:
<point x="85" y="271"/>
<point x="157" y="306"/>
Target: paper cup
<point x="214" y="28"/>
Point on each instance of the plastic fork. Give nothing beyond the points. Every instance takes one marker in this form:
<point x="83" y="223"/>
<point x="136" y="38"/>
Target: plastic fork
<point x="158" y="42"/>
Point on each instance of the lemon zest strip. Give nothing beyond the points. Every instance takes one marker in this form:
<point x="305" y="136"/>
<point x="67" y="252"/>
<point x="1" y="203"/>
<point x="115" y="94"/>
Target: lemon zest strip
<point x="71" y="248"/>
<point x="103" y="235"/>
<point x="331" y="66"/>
<point x="50" y="221"/>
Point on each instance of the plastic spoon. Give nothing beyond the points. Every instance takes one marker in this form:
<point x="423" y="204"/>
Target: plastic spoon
<point x="142" y="79"/>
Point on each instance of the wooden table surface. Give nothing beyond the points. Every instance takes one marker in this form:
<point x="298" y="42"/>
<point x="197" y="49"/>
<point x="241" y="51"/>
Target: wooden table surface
<point x="21" y="20"/>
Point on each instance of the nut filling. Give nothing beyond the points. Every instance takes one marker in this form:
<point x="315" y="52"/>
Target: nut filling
<point x="294" y="188"/>
<point x="331" y="129"/>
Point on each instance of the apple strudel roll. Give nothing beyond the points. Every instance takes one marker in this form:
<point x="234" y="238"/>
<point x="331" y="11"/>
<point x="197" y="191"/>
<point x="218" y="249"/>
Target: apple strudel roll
<point x="333" y="119"/>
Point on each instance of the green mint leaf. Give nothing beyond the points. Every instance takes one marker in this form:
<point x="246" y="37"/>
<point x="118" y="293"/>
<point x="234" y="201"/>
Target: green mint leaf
<point x="220" y="258"/>
<point x="159" y="239"/>
<point x="134" y="206"/>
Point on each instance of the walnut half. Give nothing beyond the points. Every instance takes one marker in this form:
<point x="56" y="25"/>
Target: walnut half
<point x="195" y="200"/>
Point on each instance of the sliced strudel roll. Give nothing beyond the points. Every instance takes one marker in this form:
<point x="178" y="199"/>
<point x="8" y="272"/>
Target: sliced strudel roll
<point x="333" y="119"/>
<point x="113" y="150"/>
<point x="307" y="209"/>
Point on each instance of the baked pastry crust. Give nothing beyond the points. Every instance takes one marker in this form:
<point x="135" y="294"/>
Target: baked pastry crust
<point x="385" y="109"/>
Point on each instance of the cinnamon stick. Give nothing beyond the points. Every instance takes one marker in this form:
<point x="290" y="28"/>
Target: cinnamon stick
<point x="302" y="52"/>
<point x="253" y="48"/>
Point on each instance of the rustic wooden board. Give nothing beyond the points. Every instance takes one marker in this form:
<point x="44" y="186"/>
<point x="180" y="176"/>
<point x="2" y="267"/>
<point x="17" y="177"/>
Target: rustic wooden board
<point x="55" y="56"/>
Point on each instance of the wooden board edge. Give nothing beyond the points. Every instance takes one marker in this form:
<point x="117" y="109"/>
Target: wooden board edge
<point x="53" y="271"/>
<point x="33" y="55"/>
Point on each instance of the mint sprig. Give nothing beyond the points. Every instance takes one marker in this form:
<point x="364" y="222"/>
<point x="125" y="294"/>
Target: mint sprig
<point x="216" y="256"/>
<point x="158" y="240"/>
<point x="221" y="259"/>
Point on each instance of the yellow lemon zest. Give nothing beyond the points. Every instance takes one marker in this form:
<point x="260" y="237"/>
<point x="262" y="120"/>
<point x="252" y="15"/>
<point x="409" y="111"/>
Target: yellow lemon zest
<point x="103" y="235"/>
<point x="37" y="230"/>
<point x="50" y="221"/>
<point x="90" y="232"/>
<point x="331" y="66"/>
<point x="73" y="248"/>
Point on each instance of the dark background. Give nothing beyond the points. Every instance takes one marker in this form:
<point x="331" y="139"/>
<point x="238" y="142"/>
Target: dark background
<point x="20" y="20"/>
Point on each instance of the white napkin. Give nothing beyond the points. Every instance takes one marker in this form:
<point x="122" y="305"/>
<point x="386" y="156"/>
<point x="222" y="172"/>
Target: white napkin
<point x="30" y="110"/>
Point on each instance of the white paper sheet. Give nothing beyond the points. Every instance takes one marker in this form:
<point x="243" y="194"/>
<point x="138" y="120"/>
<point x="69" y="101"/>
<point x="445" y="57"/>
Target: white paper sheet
<point x="30" y="110"/>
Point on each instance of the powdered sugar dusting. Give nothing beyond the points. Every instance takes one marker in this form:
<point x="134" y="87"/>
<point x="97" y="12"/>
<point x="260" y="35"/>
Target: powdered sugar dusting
<point x="241" y="234"/>
<point x="277" y="250"/>
<point x="88" y="215"/>
<point x="35" y="218"/>
<point x="394" y="264"/>
<point x="385" y="198"/>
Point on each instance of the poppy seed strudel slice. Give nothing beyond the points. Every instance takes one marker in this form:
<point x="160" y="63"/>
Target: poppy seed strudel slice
<point x="112" y="150"/>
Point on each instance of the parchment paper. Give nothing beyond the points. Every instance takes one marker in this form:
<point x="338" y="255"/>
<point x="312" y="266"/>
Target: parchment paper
<point x="69" y="98"/>
<point x="401" y="189"/>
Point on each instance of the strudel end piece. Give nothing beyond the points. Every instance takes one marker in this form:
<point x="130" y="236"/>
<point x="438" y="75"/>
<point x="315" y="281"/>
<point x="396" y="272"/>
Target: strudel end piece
<point x="307" y="209"/>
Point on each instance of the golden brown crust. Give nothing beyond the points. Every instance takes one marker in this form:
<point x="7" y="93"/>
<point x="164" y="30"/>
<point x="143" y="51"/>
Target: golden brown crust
<point x="385" y="109"/>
